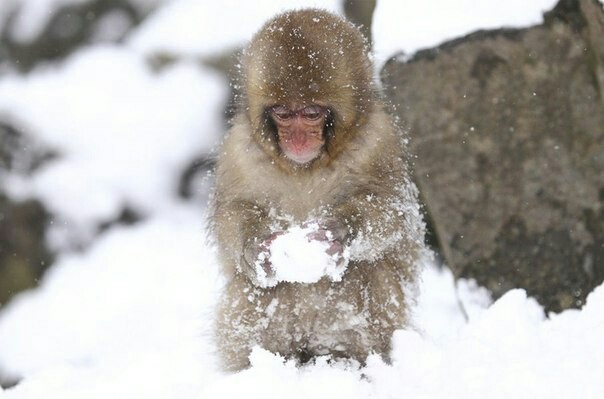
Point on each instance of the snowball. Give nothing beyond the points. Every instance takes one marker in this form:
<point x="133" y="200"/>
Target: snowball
<point x="297" y="258"/>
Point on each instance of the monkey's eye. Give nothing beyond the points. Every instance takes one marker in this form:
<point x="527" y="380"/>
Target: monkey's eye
<point x="282" y="112"/>
<point x="312" y="112"/>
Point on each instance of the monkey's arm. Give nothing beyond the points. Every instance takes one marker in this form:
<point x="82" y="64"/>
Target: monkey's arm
<point x="379" y="223"/>
<point x="378" y="206"/>
<point x="243" y="230"/>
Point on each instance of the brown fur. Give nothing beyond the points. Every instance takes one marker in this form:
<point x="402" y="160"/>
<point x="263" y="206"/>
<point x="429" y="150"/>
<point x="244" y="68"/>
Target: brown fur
<point x="361" y="180"/>
<point x="304" y="57"/>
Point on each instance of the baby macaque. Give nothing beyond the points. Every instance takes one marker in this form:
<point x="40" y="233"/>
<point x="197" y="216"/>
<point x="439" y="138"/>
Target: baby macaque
<point x="313" y="154"/>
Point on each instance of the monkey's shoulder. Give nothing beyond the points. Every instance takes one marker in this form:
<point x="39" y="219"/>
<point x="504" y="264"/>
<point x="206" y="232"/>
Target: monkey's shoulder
<point x="372" y="156"/>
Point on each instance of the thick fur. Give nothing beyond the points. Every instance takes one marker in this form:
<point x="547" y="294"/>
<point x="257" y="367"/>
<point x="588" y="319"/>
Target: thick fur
<point x="308" y="56"/>
<point x="361" y="180"/>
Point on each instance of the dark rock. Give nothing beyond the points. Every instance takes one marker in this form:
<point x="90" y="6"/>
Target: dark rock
<point x="7" y="382"/>
<point x="24" y="255"/>
<point x="508" y="130"/>
<point x="127" y="217"/>
<point x="360" y="13"/>
<point x="192" y="180"/>
<point x="19" y="154"/>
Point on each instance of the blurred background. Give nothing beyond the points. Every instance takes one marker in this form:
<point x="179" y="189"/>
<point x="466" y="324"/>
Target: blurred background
<point x="110" y="111"/>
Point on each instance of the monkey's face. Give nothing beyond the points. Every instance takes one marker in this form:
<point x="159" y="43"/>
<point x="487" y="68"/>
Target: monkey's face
<point x="300" y="131"/>
<point x="307" y="88"/>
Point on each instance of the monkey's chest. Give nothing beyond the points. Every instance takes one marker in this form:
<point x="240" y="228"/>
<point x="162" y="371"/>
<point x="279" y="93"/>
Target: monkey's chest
<point x="304" y="199"/>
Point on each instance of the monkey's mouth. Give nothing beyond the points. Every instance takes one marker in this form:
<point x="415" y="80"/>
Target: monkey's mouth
<point x="303" y="157"/>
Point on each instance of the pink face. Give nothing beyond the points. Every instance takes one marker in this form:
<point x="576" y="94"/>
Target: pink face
<point x="300" y="131"/>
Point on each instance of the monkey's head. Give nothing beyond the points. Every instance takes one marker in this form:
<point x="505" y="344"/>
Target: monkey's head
<point x="308" y="86"/>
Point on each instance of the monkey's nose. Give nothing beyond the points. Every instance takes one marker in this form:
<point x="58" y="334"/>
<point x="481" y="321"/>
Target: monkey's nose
<point x="299" y="139"/>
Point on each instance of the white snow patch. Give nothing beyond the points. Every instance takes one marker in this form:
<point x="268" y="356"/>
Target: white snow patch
<point x="410" y="26"/>
<point x="192" y="27"/>
<point x="138" y="289"/>
<point x="122" y="132"/>
<point x="271" y="375"/>
<point x="437" y="314"/>
<point x="508" y="352"/>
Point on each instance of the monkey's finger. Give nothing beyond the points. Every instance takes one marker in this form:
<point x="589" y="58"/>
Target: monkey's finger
<point x="266" y="243"/>
<point x="319" y="235"/>
<point x="335" y="248"/>
<point x="336" y="228"/>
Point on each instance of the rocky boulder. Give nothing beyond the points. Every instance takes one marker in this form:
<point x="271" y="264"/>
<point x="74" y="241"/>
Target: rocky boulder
<point x="508" y="130"/>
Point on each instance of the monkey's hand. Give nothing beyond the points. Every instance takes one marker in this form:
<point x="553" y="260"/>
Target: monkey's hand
<point x="257" y="263"/>
<point x="332" y="231"/>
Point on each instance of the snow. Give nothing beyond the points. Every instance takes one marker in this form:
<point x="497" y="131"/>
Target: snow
<point x="297" y="258"/>
<point x="115" y="123"/>
<point x="34" y="15"/>
<point x="150" y="339"/>
<point x="510" y="351"/>
<point x="131" y="284"/>
<point x="409" y="26"/>
<point x="192" y="27"/>
<point x="130" y="313"/>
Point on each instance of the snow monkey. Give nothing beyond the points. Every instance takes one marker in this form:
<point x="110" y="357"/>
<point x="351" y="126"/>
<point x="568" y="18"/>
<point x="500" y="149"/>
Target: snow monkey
<point x="311" y="144"/>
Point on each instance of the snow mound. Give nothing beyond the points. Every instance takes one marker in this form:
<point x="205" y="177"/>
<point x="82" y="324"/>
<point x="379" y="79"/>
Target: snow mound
<point x="271" y="374"/>
<point x="139" y="287"/>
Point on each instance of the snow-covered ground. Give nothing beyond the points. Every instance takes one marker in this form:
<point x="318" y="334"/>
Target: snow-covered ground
<point x="130" y="315"/>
